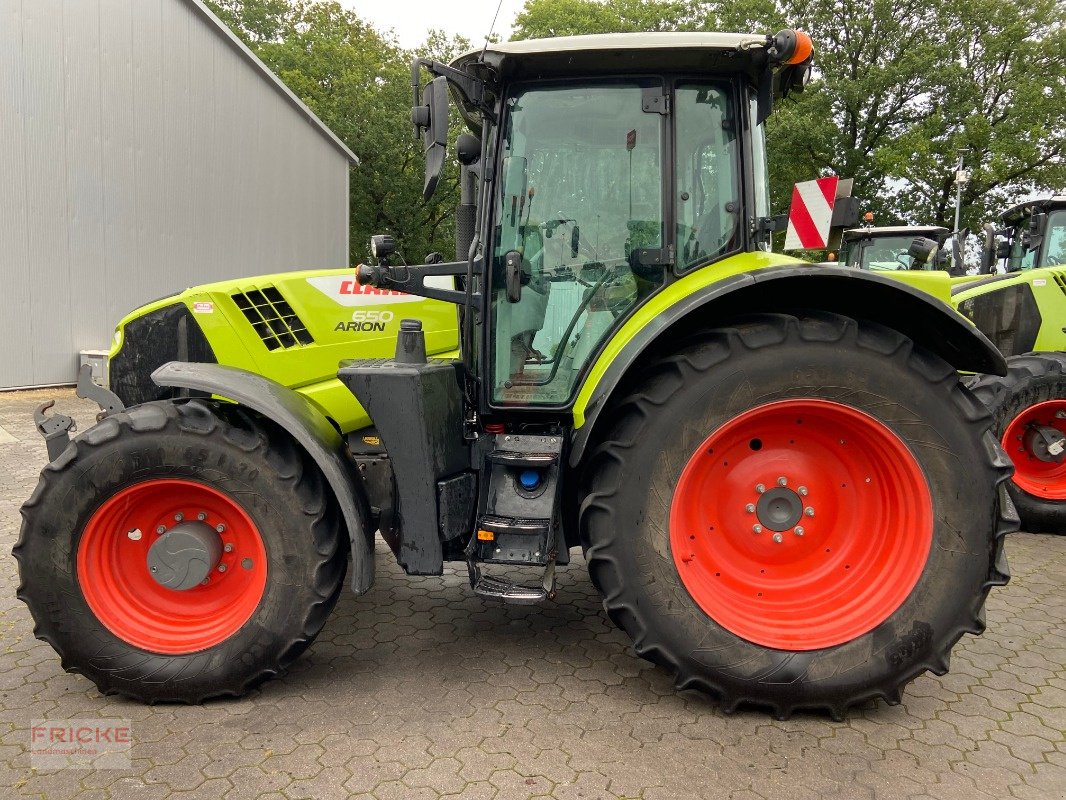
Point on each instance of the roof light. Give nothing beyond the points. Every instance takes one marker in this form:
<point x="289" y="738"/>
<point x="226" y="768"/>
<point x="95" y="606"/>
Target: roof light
<point x="791" y="47"/>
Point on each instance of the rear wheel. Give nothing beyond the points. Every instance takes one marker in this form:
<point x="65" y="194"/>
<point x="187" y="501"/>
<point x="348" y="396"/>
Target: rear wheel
<point x="1028" y="405"/>
<point x="180" y="551"/>
<point x="797" y="512"/>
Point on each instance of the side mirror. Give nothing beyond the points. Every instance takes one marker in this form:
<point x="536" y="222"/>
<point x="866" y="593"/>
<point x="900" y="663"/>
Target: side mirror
<point x="1038" y="224"/>
<point x="957" y="266"/>
<point x="431" y="119"/>
<point x="989" y="250"/>
<point x="921" y="251"/>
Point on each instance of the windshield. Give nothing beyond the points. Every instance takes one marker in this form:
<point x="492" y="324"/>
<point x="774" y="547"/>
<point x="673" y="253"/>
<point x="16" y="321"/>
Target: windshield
<point x="883" y="253"/>
<point x="1055" y="239"/>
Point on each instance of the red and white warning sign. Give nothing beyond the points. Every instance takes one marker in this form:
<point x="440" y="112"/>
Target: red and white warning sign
<point x="811" y="214"/>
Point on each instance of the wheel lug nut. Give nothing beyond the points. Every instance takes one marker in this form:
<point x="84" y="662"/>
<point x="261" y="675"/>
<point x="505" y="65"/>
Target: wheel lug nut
<point x="782" y="481"/>
<point x="221" y="567"/>
<point x="161" y="529"/>
<point x="750" y="508"/>
<point x="179" y="517"/>
<point x="760" y="488"/>
<point x="778" y="538"/>
<point x="220" y="528"/>
<point x="809" y="511"/>
<point x="228" y="547"/>
<point x="201" y="516"/>
<point x="802" y="491"/>
<point x="756" y="528"/>
<point x="798" y="530"/>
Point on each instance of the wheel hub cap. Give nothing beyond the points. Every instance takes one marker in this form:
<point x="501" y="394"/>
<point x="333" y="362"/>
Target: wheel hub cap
<point x="184" y="556"/>
<point x="779" y="509"/>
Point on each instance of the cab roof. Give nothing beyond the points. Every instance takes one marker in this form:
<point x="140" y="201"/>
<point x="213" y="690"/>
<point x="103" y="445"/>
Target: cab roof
<point x="622" y="52"/>
<point x="896" y="230"/>
<point x="1022" y="211"/>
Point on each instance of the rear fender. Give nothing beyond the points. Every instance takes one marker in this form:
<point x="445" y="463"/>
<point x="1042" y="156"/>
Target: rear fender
<point x="308" y="427"/>
<point x="787" y="288"/>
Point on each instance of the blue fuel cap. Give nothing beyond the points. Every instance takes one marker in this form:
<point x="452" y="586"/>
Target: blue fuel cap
<point x="530" y="479"/>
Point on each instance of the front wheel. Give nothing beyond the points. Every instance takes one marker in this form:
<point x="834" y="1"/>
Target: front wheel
<point x="1028" y="407"/>
<point x="180" y="550"/>
<point x="797" y="512"/>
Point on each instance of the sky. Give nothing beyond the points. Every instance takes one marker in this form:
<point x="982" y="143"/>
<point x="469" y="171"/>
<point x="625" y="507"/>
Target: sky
<point x="413" y="19"/>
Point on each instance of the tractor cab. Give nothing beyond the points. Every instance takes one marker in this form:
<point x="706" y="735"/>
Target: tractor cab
<point x="892" y="248"/>
<point x="596" y="170"/>
<point x="1030" y="235"/>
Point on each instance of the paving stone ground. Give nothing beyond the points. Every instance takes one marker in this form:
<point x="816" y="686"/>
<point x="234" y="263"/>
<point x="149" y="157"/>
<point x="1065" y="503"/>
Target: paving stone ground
<point x="421" y="690"/>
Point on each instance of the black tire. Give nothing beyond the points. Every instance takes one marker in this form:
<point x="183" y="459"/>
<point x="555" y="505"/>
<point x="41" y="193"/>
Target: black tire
<point x="1031" y="378"/>
<point x="631" y="475"/>
<point x="231" y="451"/>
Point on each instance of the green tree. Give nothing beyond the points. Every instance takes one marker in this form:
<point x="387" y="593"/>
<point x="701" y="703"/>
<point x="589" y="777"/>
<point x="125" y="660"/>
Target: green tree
<point x="358" y="82"/>
<point x="899" y="86"/>
<point x="1003" y="100"/>
<point x="541" y="19"/>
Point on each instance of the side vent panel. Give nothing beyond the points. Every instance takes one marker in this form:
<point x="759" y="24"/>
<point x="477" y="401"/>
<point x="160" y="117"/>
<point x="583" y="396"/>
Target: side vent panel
<point x="273" y="318"/>
<point x="1060" y="279"/>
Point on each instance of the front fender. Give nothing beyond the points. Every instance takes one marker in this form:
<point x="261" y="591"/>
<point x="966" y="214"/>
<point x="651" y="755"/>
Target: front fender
<point x="311" y="430"/>
<point x="782" y="288"/>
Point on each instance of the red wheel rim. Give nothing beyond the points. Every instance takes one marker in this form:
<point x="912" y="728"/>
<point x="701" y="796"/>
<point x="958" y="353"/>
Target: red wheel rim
<point x="114" y="575"/>
<point x="1046" y="479"/>
<point x="860" y="544"/>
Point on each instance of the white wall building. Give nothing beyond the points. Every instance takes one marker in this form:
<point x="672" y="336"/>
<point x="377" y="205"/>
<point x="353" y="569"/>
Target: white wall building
<point x="144" y="149"/>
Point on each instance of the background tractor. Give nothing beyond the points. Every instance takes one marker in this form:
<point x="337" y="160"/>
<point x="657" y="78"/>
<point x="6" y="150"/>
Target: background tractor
<point x="1023" y="311"/>
<point x="1018" y="300"/>
<point x="888" y="248"/>
<point x="783" y="491"/>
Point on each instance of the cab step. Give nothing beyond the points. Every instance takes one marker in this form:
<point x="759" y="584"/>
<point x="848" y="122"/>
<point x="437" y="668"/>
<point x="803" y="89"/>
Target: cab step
<point x="500" y="589"/>
<point x="509" y="592"/>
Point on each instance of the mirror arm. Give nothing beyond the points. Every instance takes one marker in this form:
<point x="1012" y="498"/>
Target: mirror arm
<point x="411" y="280"/>
<point x="474" y="90"/>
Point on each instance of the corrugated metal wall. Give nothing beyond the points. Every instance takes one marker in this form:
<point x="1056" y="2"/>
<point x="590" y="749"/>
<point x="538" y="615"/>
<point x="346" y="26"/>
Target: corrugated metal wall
<point x="140" y="153"/>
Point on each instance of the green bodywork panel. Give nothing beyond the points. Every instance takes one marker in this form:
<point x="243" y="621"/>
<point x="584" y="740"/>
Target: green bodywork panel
<point x="345" y="320"/>
<point x="935" y="282"/>
<point x="1048" y="287"/>
<point x="662" y="300"/>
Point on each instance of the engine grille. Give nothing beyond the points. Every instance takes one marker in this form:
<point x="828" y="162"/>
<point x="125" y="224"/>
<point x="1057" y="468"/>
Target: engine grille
<point x="273" y="318"/>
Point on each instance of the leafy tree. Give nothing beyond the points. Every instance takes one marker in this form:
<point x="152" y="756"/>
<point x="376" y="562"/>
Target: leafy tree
<point x="358" y="82"/>
<point x="548" y="18"/>
<point x="900" y="85"/>
<point x="1003" y="99"/>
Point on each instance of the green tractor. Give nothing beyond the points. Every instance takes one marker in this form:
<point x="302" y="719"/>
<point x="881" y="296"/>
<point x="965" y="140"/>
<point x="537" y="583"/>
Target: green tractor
<point x="783" y="491"/>
<point x="1022" y="310"/>
<point x="888" y="248"/>
<point x="1018" y="300"/>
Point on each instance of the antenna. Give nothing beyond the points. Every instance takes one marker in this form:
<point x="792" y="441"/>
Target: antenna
<point x="492" y="27"/>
